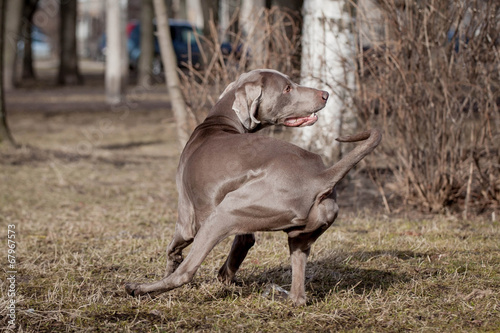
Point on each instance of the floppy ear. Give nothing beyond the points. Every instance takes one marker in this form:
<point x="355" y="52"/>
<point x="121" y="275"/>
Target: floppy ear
<point x="246" y="102"/>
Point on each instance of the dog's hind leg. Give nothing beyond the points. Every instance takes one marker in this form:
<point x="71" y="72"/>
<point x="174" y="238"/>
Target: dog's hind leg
<point x="299" y="251"/>
<point x="174" y="252"/>
<point x="239" y="249"/>
<point x="185" y="231"/>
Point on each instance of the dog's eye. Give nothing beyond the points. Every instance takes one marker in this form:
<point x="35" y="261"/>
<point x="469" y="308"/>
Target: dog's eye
<point x="288" y="88"/>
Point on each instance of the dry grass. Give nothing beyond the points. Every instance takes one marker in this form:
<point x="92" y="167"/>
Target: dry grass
<point x="90" y="219"/>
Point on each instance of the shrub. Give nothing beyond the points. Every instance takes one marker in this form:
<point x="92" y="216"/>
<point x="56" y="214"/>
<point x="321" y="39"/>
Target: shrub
<point x="432" y="83"/>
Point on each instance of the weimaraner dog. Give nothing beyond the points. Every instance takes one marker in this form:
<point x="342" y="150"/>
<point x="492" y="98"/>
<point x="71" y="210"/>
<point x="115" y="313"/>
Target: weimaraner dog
<point x="234" y="182"/>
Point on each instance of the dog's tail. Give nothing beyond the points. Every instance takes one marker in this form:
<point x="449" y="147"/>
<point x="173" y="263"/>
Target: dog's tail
<point x="338" y="171"/>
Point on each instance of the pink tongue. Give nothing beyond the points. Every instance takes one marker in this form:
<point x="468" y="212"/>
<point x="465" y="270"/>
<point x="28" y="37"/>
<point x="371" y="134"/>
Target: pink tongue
<point x="301" y="121"/>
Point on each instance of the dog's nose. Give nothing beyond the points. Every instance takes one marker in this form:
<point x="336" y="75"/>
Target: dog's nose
<point x="324" y="95"/>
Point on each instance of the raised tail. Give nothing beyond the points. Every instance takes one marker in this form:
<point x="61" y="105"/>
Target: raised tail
<point x="338" y="171"/>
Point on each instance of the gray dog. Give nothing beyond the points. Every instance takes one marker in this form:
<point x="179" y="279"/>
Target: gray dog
<point x="233" y="182"/>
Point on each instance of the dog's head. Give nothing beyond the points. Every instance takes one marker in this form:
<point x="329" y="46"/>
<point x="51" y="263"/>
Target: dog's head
<point x="266" y="97"/>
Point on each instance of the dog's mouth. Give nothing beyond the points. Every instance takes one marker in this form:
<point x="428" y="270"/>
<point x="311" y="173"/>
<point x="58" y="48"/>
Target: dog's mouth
<point x="301" y="121"/>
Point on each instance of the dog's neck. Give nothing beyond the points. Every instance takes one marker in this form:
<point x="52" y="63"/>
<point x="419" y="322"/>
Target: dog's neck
<point x="223" y="117"/>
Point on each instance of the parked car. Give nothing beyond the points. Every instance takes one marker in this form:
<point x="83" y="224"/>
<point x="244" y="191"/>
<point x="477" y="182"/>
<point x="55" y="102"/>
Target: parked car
<point x="184" y="41"/>
<point x="101" y="43"/>
<point x="185" y="46"/>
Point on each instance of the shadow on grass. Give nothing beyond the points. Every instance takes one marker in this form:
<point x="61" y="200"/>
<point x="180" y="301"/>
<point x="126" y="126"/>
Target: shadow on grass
<point x="130" y="145"/>
<point x="335" y="273"/>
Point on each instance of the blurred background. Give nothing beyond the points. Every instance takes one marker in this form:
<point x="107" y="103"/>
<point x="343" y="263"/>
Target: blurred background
<point x="425" y="72"/>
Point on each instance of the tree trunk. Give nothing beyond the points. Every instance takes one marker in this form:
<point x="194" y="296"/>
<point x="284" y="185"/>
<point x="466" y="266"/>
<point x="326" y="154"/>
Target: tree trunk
<point x="194" y="12"/>
<point x="144" y="67"/>
<point x="12" y="28"/>
<point x="69" y="73"/>
<point x="28" y="70"/>
<point x="116" y="52"/>
<point x="170" y="64"/>
<point x="210" y="14"/>
<point x="29" y="11"/>
<point x="253" y="27"/>
<point x="228" y="23"/>
<point x="5" y="133"/>
<point x="292" y="31"/>
<point x="179" y="9"/>
<point x="327" y="50"/>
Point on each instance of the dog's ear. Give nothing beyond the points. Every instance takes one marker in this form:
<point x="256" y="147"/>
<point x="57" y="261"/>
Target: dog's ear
<point x="246" y="102"/>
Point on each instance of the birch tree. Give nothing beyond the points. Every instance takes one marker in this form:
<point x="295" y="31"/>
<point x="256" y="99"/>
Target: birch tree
<point x="251" y="20"/>
<point x="170" y="65"/>
<point x="116" y="51"/>
<point x="194" y="12"/>
<point x="144" y="68"/>
<point x="327" y="48"/>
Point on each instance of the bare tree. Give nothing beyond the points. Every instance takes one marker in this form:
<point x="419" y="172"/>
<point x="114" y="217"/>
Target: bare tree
<point x="147" y="44"/>
<point x="28" y="13"/>
<point x="11" y="37"/>
<point x="69" y="73"/>
<point x="194" y="12"/>
<point x="258" y="18"/>
<point x="170" y="63"/>
<point x="210" y="14"/>
<point x="177" y="9"/>
<point x="428" y="77"/>
<point x="292" y="30"/>
<point x="229" y="19"/>
<point x="326" y="50"/>
<point x="116" y="52"/>
<point x="252" y="20"/>
<point x="4" y="127"/>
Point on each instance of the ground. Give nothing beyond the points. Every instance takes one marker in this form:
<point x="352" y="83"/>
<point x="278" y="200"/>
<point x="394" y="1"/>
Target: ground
<point x="93" y="201"/>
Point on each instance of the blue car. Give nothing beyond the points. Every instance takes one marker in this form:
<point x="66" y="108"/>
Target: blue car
<point x="182" y="33"/>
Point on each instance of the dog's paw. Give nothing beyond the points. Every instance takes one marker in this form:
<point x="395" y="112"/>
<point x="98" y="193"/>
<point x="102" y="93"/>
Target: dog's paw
<point x="298" y="300"/>
<point x="225" y="280"/>
<point x="225" y="275"/>
<point x="133" y="289"/>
